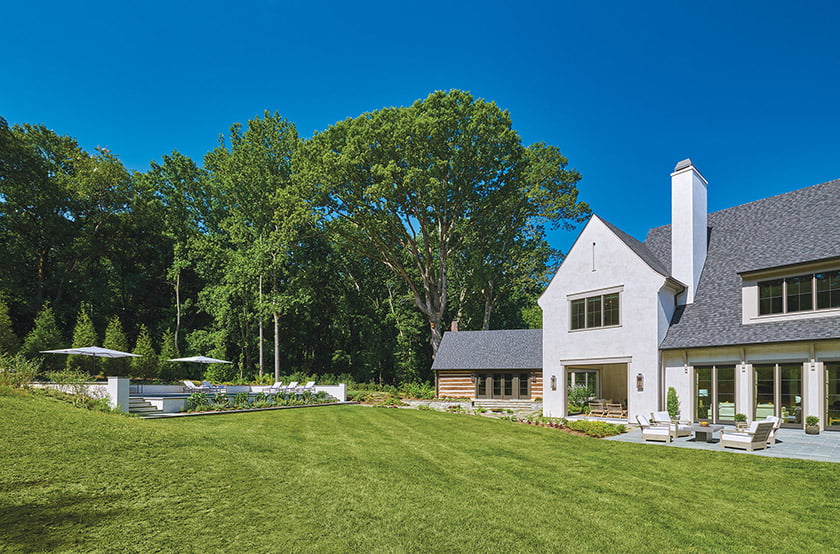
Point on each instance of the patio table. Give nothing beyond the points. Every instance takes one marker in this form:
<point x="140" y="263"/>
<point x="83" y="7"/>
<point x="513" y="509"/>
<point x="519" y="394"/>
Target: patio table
<point x="705" y="432"/>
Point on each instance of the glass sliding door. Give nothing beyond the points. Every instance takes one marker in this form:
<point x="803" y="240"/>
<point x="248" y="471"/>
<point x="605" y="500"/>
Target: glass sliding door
<point x="503" y="385"/>
<point x="725" y="397"/>
<point x="790" y="394"/>
<point x="715" y="393"/>
<point x="703" y="378"/>
<point x="832" y="395"/>
<point x="778" y="392"/>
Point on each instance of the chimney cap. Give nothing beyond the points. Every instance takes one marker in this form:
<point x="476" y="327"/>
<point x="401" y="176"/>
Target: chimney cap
<point x="683" y="164"/>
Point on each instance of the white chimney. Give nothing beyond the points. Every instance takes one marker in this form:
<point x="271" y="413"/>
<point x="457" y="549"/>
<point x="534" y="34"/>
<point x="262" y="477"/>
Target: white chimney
<point x="688" y="226"/>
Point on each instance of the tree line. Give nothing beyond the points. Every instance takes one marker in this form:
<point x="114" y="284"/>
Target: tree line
<point x="349" y="252"/>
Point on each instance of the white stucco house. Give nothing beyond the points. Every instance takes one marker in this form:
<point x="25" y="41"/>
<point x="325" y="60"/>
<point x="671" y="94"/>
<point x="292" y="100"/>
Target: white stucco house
<point x="738" y="310"/>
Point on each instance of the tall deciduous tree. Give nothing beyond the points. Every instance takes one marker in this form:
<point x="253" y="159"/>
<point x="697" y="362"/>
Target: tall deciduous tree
<point x="413" y="182"/>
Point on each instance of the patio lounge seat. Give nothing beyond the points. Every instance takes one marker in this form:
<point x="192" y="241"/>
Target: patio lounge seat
<point x="777" y="423"/>
<point x="277" y="386"/>
<point x="597" y="409"/>
<point x="189" y="386"/>
<point x="616" y="410"/>
<point x="291" y="388"/>
<point x="754" y="438"/>
<point x="308" y="387"/>
<point x="679" y="428"/>
<point x="212" y="387"/>
<point x="653" y="432"/>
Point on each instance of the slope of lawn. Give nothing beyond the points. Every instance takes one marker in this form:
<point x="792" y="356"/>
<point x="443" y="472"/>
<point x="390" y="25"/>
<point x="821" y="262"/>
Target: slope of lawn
<point x="352" y="478"/>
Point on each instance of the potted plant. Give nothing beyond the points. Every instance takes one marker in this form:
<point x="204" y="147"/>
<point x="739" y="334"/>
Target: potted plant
<point x="812" y="425"/>
<point x="672" y="404"/>
<point x="740" y="421"/>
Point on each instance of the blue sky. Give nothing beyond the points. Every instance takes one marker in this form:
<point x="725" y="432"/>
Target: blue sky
<point x="748" y="90"/>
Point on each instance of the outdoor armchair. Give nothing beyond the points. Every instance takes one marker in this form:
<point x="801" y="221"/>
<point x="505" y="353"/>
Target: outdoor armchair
<point x="777" y="423"/>
<point x="616" y="410"/>
<point x="654" y="432"/>
<point x="752" y="439"/>
<point x="597" y="409"/>
<point x="679" y="428"/>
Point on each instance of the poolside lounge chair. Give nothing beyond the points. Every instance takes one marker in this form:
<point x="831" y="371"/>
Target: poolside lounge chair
<point x="291" y="388"/>
<point x="212" y="387"/>
<point x="679" y="428"/>
<point x="309" y="387"/>
<point x="275" y="388"/>
<point x="597" y="409"/>
<point x="754" y="438"/>
<point x="654" y="432"/>
<point x="189" y="386"/>
<point x="777" y="423"/>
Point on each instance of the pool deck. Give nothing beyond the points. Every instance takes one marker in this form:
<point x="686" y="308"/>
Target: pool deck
<point x="790" y="443"/>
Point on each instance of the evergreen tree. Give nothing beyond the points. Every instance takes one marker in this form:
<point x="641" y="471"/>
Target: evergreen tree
<point x="115" y="339"/>
<point x="9" y="342"/>
<point x="169" y="371"/>
<point x="44" y="336"/>
<point x="147" y="366"/>
<point x="84" y="334"/>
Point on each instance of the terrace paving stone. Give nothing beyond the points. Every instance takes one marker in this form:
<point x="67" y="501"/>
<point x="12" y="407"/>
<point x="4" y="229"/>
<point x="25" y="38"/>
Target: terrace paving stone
<point x="790" y="443"/>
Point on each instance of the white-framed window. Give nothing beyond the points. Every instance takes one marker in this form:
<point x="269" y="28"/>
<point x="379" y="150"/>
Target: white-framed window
<point x="602" y="310"/>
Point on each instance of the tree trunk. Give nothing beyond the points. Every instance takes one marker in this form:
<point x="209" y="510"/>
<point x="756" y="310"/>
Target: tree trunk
<point x="488" y="306"/>
<point x="262" y="360"/>
<point x="177" y="308"/>
<point x="276" y="346"/>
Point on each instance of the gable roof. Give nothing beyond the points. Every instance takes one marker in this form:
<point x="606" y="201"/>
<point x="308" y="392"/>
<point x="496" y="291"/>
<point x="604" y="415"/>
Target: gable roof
<point x="640" y="249"/>
<point x="788" y="229"/>
<point x="508" y="349"/>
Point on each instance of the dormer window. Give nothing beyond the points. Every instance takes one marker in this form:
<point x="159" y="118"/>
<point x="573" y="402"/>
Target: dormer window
<point x="800" y="293"/>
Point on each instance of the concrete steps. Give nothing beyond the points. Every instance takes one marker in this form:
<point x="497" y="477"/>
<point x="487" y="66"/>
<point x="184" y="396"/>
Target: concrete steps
<point x="142" y="406"/>
<point x="505" y="404"/>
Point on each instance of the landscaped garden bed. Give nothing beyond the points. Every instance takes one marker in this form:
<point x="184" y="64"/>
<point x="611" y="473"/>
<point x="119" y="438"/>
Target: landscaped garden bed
<point x="242" y="401"/>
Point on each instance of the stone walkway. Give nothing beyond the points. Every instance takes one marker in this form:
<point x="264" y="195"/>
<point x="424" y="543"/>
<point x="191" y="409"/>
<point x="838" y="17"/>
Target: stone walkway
<point x="790" y="443"/>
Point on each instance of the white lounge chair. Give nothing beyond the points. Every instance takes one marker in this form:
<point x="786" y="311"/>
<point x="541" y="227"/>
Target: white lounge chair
<point x="680" y="428"/>
<point x="777" y="423"/>
<point x="309" y="387"/>
<point x="291" y="388"/>
<point x="189" y="386"/>
<point x="276" y="387"/>
<point x="754" y="438"/>
<point x="212" y="387"/>
<point x="654" y="432"/>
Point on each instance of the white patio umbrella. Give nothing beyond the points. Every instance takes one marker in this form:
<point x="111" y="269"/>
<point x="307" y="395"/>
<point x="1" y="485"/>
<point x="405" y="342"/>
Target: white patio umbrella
<point x="200" y="360"/>
<point x="95" y="351"/>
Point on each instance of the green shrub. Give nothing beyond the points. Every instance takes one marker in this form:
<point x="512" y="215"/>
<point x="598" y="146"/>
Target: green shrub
<point x="579" y="395"/>
<point x="597" y="429"/>
<point x="240" y="400"/>
<point x="740" y="418"/>
<point x="672" y="403"/>
<point x="17" y="371"/>
<point x="425" y="408"/>
<point x="197" y="401"/>
<point x="423" y="391"/>
<point x="812" y="420"/>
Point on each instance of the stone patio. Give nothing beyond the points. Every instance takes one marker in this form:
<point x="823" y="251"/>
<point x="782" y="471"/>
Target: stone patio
<point x="790" y="443"/>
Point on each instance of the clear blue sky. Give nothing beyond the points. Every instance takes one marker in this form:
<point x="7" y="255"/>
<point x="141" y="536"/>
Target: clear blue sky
<point x="748" y="90"/>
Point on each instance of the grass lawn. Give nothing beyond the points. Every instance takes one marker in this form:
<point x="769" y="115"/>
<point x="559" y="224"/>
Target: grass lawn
<point x="352" y="478"/>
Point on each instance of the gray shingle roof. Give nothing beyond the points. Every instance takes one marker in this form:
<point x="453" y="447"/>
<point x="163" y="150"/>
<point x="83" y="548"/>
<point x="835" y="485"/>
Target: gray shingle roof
<point x="509" y="349"/>
<point x="788" y="229"/>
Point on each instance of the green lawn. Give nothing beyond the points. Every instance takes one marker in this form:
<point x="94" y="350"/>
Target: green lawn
<point x="358" y="479"/>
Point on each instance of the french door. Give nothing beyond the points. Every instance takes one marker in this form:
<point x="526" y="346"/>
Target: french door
<point x="503" y="385"/>
<point x="778" y="392"/>
<point x="714" y="392"/>
<point x="832" y="395"/>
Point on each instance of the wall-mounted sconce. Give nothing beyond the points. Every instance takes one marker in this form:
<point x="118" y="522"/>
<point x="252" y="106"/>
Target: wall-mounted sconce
<point x="553" y="382"/>
<point x="472" y="378"/>
<point x="640" y="382"/>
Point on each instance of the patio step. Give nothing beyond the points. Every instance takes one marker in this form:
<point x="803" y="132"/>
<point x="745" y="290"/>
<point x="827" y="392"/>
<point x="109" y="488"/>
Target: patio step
<point x="142" y="406"/>
<point x="500" y="404"/>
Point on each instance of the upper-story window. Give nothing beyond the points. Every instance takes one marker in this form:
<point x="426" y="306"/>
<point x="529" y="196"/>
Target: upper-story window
<point x="801" y="293"/>
<point x="595" y="311"/>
